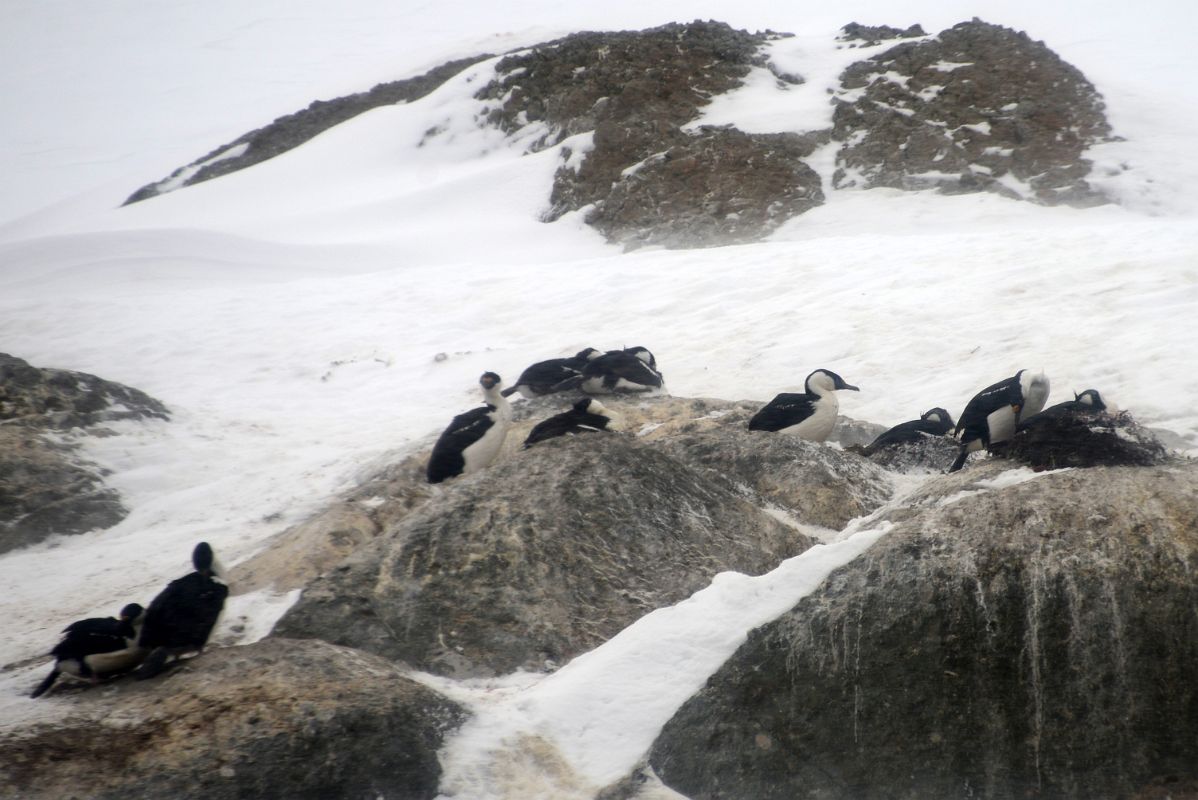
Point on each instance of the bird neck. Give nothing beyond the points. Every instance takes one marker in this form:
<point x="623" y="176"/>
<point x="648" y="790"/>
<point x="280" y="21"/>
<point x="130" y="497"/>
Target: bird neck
<point x="494" y="398"/>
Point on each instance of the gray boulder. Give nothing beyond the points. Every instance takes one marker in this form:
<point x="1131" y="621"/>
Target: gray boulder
<point x="1013" y="635"/>
<point x="977" y="108"/>
<point x="279" y="718"/>
<point x="46" y="488"/>
<point x="539" y="558"/>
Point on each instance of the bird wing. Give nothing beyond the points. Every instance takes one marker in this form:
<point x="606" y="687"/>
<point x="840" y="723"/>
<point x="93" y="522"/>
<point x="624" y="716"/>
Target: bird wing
<point x="783" y="411"/>
<point x="972" y="423"/>
<point x="614" y="366"/>
<point x="110" y="626"/>
<point x="904" y="432"/>
<point x="544" y="375"/>
<point x="467" y="428"/>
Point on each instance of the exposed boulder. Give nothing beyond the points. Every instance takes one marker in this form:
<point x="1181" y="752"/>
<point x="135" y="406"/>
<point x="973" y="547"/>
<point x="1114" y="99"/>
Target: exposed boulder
<point x="45" y="487"/>
<point x="539" y="558"/>
<point x="1014" y="634"/>
<point x="301" y="553"/>
<point x="279" y="718"/>
<point x="292" y="130"/>
<point x="977" y="108"/>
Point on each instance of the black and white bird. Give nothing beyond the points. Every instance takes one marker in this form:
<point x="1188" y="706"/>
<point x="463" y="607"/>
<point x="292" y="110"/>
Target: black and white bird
<point x="993" y="414"/>
<point x="1088" y="402"/>
<point x="180" y="619"/>
<point x="934" y="422"/>
<point x="587" y="416"/>
<point x="810" y="415"/>
<point x="97" y="647"/>
<point x="633" y="369"/>
<point x="474" y="438"/>
<point x="547" y="377"/>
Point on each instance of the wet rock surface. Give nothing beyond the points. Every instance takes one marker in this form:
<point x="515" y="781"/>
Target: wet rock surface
<point x="978" y="107"/>
<point x="539" y="558"/>
<point x="46" y="488"/>
<point x="1013" y="635"/>
<point x="279" y="718"/>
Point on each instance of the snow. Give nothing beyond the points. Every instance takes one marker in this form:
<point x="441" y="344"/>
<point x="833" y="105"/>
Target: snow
<point x="292" y="315"/>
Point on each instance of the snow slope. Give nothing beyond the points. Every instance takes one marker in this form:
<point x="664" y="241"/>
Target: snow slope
<point x="291" y="314"/>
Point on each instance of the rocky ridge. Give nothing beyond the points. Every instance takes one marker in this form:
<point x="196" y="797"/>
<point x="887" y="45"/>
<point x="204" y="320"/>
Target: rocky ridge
<point x="978" y="107"/>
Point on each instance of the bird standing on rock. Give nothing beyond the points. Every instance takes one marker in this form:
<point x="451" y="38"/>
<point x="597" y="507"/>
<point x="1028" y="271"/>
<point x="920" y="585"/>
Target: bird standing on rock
<point x="992" y="415"/>
<point x="810" y="415"/>
<point x="474" y="438"/>
<point x="180" y="619"/>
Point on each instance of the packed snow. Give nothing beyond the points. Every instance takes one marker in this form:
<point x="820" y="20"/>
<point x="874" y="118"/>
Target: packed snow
<point x="316" y="316"/>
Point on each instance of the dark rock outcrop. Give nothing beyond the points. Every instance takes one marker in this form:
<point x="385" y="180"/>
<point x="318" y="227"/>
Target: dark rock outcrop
<point x="977" y="108"/>
<point x="290" y="131"/>
<point x="58" y="399"/>
<point x="1004" y="639"/>
<point x="644" y="180"/>
<point x="539" y="558"/>
<point x="279" y="718"/>
<point x="868" y="35"/>
<point x="45" y="487"/>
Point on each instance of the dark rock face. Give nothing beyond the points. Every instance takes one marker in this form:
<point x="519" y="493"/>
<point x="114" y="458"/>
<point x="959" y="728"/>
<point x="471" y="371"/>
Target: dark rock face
<point x="868" y="35"/>
<point x="644" y="179"/>
<point x="539" y="559"/>
<point x="45" y="489"/>
<point x="1037" y="639"/>
<point x="290" y="131"/>
<point x="58" y="399"/>
<point x="717" y="186"/>
<point x="977" y="108"/>
<point x="279" y="718"/>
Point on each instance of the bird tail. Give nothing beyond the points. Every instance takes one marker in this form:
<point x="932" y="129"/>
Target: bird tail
<point x="155" y="662"/>
<point x="45" y="685"/>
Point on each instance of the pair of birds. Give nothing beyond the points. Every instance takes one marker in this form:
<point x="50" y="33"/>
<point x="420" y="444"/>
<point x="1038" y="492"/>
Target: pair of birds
<point x="179" y="620"/>
<point x="631" y="369"/>
<point x="473" y="439"/>
<point x="993" y="416"/>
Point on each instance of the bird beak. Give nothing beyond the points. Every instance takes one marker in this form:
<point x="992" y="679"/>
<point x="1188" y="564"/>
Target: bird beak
<point x="850" y="387"/>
